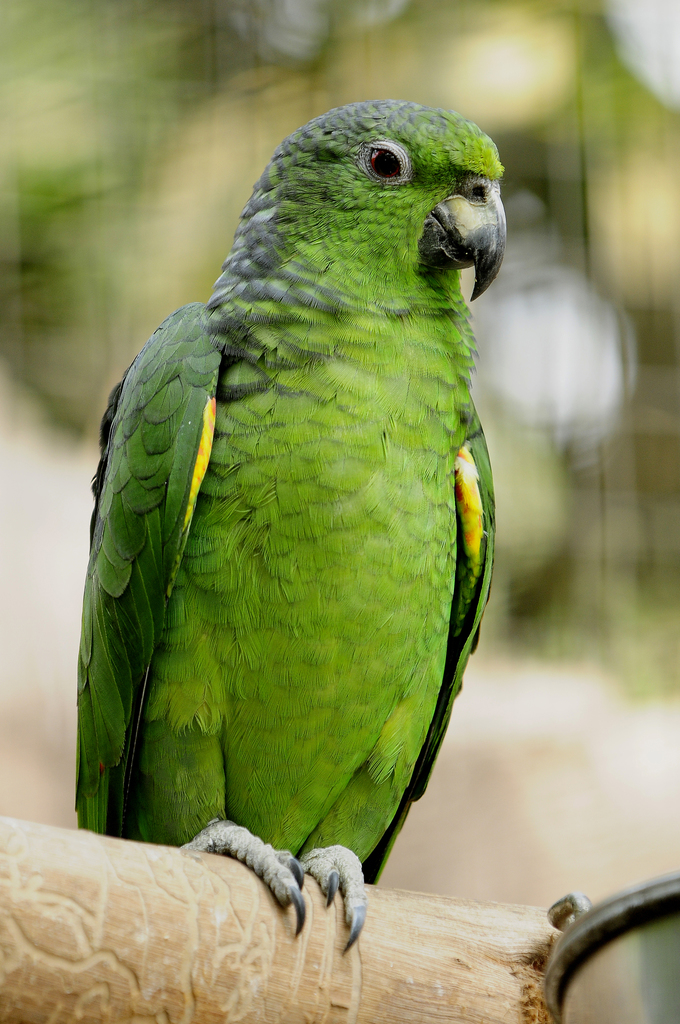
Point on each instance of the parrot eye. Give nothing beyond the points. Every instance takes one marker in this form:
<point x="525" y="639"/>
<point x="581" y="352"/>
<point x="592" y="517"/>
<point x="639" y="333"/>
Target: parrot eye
<point x="385" y="161"/>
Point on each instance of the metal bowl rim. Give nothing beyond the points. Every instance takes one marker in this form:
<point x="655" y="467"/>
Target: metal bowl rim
<point x="606" y="921"/>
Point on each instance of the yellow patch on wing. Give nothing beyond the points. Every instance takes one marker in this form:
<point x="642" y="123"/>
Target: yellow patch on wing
<point x="469" y="505"/>
<point x="203" y="457"/>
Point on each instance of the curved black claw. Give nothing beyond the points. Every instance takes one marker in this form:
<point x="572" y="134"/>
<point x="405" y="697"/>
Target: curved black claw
<point x="358" y="918"/>
<point x="333" y="884"/>
<point x="298" y="901"/>
<point x="297" y="871"/>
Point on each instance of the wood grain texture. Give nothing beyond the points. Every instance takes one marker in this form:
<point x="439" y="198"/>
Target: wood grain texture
<point x="99" y="929"/>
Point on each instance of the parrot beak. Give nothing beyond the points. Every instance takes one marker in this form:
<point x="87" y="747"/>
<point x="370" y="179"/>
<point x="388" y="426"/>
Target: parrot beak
<point x="467" y="229"/>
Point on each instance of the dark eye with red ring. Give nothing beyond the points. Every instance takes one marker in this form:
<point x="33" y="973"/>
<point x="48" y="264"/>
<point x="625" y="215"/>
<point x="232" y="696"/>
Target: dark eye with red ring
<point x="385" y="163"/>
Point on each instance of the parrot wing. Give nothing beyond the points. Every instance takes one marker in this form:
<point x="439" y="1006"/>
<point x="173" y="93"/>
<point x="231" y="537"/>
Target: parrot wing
<point x="474" y="563"/>
<point x="156" y="437"/>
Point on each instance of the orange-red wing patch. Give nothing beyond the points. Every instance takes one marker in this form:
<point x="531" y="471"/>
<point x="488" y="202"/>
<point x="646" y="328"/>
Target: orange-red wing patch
<point x="469" y="505"/>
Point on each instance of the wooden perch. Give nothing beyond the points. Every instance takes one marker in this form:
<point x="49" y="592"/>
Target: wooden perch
<point x="98" y="929"/>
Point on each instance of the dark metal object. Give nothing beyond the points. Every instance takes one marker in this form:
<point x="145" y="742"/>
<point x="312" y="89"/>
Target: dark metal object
<point x="567" y="910"/>
<point x="619" y="963"/>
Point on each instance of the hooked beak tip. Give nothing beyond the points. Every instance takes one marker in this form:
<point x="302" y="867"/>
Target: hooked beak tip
<point x="464" y="232"/>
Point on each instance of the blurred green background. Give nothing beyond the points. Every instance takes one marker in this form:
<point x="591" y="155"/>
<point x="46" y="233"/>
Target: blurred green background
<point x="131" y="132"/>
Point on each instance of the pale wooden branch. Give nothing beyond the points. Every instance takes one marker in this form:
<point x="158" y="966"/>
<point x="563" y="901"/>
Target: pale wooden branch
<point x="97" y="929"/>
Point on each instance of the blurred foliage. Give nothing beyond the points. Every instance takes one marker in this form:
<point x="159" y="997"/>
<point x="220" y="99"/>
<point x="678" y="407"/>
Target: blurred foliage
<point x="132" y="132"/>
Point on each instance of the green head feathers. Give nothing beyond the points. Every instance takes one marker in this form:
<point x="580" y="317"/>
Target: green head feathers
<point x="322" y="161"/>
<point x="346" y="198"/>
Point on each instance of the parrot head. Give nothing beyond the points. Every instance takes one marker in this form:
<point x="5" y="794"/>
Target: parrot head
<point x="386" y="186"/>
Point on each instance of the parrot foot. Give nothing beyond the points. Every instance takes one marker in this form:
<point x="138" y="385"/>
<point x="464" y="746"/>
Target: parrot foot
<point x="336" y="867"/>
<point x="278" y="869"/>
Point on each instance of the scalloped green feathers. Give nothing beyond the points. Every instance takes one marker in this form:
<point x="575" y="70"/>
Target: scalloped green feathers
<point x="158" y="446"/>
<point x="475" y="514"/>
<point x="293" y="534"/>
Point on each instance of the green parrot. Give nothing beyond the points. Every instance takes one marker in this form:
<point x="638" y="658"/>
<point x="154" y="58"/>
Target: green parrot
<point x="292" y="540"/>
